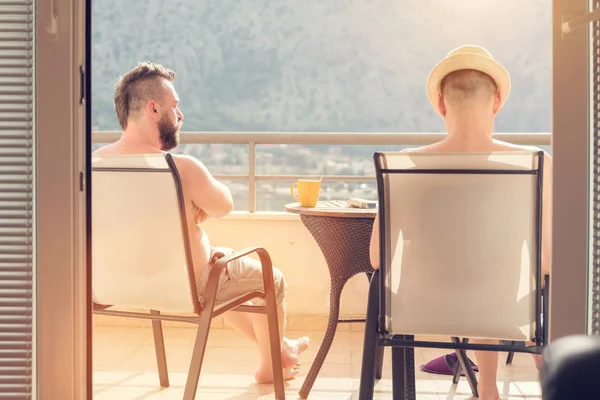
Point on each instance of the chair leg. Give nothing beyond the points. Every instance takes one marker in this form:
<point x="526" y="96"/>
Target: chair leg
<point x="367" y="372"/>
<point x="159" y="347"/>
<point x="379" y="362"/>
<point x="274" y="340"/>
<point x="458" y="370"/>
<point x="463" y="360"/>
<point x="198" y="354"/>
<point x="410" y="390"/>
<point x="380" y="350"/>
<point x="510" y="356"/>
<point x="398" y="373"/>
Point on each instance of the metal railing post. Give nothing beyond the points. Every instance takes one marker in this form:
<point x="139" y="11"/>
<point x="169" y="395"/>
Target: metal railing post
<point x="252" y="177"/>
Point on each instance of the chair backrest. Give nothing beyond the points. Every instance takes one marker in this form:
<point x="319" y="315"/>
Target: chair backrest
<point x="139" y="251"/>
<point x="460" y="243"/>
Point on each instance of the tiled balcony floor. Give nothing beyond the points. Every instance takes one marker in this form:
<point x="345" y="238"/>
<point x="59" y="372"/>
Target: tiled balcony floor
<point x="125" y="368"/>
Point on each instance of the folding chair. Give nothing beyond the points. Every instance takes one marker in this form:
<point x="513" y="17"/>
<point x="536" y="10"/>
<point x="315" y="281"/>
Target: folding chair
<point x="141" y="259"/>
<point x="460" y="242"/>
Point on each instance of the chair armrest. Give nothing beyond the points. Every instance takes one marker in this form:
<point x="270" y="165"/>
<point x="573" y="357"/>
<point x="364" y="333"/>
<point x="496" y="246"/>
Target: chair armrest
<point x="221" y="264"/>
<point x="218" y="267"/>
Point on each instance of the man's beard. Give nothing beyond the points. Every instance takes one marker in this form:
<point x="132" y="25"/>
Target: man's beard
<point x="168" y="134"/>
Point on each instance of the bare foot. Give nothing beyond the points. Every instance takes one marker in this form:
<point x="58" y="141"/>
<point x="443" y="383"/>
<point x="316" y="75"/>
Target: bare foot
<point x="291" y="349"/>
<point x="264" y="375"/>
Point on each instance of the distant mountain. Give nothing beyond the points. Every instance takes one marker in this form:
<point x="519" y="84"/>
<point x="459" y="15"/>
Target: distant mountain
<point x="319" y="65"/>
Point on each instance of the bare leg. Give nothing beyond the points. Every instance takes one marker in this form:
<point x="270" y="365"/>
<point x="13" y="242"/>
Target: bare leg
<point x="255" y="327"/>
<point x="241" y="322"/>
<point x="290" y="349"/>
<point x="487" y="361"/>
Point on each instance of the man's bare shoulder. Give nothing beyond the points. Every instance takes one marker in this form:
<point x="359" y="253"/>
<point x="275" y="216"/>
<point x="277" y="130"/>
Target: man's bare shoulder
<point x="504" y="146"/>
<point x="189" y="165"/>
<point x="499" y="145"/>
<point x="105" y="150"/>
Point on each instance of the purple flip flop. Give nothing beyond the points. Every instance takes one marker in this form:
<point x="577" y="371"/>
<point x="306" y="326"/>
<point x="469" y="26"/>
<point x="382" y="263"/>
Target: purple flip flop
<point x="445" y="365"/>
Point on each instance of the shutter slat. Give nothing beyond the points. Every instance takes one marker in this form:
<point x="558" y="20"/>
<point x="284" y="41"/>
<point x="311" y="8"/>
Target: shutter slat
<point x="12" y="197"/>
<point x="24" y="163"/>
<point x="10" y="353"/>
<point x="23" y="320"/>
<point x="13" y="337"/>
<point x="16" y="329"/>
<point x="15" y="232"/>
<point x="15" y="380"/>
<point x="14" y="275"/>
<point x="15" y="206"/>
<point x="14" y="267"/>
<point x="13" y="215"/>
<point x="14" y="92"/>
<point x="13" y="171"/>
<point x="22" y="345"/>
<point x="24" y="224"/>
<point x="4" y="371"/>
<point x="16" y="250"/>
<point x="13" y="258"/>
<point x="13" y="285"/>
<point x="15" y="30"/>
<point x="13" y="57"/>
<point x="13" y="101"/>
<point x="15" y="388"/>
<point x="12" y="311"/>
<point x="12" y="188"/>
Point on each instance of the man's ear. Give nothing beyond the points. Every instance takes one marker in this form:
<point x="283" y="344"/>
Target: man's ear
<point x="497" y="102"/>
<point x="441" y="105"/>
<point x="153" y="109"/>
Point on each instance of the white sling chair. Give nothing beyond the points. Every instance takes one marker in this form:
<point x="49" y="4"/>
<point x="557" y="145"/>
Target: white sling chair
<point x="460" y="242"/>
<point x="141" y="258"/>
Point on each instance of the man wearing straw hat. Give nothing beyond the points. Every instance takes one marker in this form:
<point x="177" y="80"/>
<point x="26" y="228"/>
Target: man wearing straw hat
<point x="468" y="88"/>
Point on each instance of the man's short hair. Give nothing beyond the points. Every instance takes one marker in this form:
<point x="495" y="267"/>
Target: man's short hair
<point x="463" y="86"/>
<point x="137" y="86"/>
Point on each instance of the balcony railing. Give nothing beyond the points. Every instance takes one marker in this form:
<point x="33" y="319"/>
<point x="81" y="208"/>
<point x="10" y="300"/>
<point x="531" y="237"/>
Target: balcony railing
<point x="252" y="139"/>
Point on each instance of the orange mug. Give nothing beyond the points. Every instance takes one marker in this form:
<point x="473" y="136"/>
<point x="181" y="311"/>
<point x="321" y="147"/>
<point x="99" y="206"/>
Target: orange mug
<point x="308" y="192"/>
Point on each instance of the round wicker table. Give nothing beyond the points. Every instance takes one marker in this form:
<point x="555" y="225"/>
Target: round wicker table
<point x="343" y="235"/>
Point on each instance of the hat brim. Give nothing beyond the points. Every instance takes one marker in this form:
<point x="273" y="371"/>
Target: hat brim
<point x="473" y="61"/>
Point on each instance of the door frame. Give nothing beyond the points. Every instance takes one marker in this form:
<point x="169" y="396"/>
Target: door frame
<point x="571" y="155"/>
<point x="63" y="304"/>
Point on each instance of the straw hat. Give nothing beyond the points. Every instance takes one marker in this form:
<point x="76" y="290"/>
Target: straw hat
<point x="468" y="57"/>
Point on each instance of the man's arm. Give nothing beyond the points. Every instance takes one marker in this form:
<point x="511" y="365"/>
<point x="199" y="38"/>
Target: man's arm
<point x="374" y="247"/>
<point x="208" y="194"/>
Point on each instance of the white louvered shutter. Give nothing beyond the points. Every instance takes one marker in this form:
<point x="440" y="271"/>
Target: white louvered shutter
<point x="16" y="198"/>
